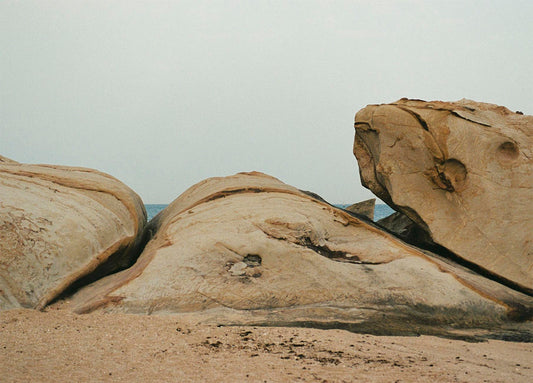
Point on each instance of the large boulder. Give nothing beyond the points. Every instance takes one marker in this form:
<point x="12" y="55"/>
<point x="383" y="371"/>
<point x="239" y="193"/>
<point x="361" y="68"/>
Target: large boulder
<point x="60" y="225"/>
<point x="249" y="249"/>
<point x="462" y="171"/>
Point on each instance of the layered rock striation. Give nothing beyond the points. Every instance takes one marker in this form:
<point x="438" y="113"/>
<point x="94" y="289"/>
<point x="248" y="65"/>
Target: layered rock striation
<point x="249" y="249"/>
<point x="462" y="171"/>
<point x="59" y="225"/>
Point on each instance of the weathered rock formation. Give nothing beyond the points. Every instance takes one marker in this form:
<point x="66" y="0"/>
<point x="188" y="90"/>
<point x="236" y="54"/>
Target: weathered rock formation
<point x="6" y="160"/>
<point x="58" y="225"/>
<point x="463" y="171"/>
<point x="250" y="249"/>
<point x="365" y="208"/>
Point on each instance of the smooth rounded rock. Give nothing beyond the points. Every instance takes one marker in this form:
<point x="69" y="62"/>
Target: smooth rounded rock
<point x="251" y="249"/>
<point x="59" y="225"/>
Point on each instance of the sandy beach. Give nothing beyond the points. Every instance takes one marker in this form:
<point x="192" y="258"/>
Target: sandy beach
<point x="58" y="346"/>
<point x="266" y="191"/>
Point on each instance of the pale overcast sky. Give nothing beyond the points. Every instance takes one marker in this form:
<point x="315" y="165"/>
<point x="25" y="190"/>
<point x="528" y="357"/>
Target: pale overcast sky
<point x="162" y="94"/>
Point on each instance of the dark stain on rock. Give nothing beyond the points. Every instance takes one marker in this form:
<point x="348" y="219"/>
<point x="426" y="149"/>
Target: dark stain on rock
<point x="253" y="260"/>
<point x="324" y="250"/>
<point x="334" y="255"/>
<point x="417" y="116"/>
<point x="451" y="175"/>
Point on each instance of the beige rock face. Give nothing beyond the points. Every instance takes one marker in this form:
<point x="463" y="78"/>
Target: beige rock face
<point x="58" y="224"/>
<point x="6" y="160"/>
<point x="461" y="170"/>
<point x="250" y="249"/>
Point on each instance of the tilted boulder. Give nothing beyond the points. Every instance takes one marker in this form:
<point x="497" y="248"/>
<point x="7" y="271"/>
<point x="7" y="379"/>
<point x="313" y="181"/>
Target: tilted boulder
<point x="60" y="224"/>
<point x="463" y="171"/>
<point x="365" y="208"/>
<point x="249" y="249"/>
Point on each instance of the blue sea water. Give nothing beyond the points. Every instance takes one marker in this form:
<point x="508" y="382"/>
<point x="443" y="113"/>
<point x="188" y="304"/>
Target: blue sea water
<point x="153" y="209"/>
<point x="381" y="210"/>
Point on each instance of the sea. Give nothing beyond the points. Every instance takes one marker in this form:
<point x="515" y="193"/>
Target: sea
<point x="381" y="210"/>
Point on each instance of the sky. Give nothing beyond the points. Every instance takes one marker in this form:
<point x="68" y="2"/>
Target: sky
<point x="163" y="94"/>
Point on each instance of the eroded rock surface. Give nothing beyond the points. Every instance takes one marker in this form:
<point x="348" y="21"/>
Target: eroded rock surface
<point x="250" y="249"/>
<point x="59" y="224"/>
<point x="463" y="171"/>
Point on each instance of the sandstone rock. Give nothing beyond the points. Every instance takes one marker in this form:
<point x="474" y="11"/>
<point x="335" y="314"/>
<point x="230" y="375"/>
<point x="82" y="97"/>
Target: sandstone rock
<point x="463" y="171"/>
<point x="6" y="160"/>
<point x="365" y="208"/>
<point x="248" y="249"/>
<point x="58" y="225"/>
